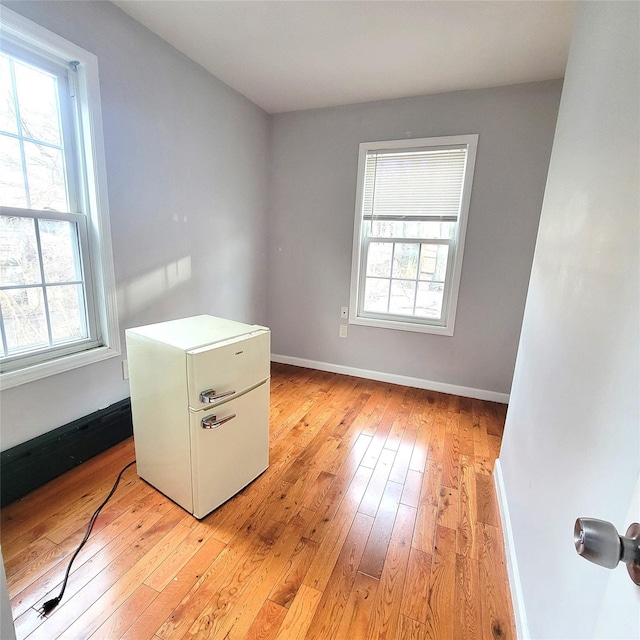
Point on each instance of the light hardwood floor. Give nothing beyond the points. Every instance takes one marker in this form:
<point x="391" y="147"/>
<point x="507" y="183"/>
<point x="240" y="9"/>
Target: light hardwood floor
<point x="377" y="518"/>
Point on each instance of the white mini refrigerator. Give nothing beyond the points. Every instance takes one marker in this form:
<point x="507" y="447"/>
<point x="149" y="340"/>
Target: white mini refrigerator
<point x="200" y="405"/>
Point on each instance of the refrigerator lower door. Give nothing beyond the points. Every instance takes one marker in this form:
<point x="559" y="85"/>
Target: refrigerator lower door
<point x="229" y="448"/>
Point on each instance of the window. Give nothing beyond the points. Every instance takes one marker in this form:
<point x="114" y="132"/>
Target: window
<point x="411" y="214"/>
<point x="57" y="293"/>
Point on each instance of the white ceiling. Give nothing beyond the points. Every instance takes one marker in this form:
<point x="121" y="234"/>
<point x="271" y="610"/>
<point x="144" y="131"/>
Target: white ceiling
<point x="301" y="54"/>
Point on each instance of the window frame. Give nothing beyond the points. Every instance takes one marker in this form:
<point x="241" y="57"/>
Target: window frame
<point x="445" y="326"/>
<point x="86" y="160"/>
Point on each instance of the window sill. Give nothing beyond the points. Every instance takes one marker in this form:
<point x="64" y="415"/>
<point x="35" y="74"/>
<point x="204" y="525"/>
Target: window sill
<point x="402" y="325"/>
<point x="59" y="365"/>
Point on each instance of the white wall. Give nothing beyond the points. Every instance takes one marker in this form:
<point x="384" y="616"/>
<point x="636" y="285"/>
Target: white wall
<point x="572" y="439"/>
<point x="187" y="181"/>
<point x="313" y="183"/>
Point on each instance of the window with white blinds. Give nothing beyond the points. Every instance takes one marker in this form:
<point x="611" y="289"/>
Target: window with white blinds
<point x="411" y="213"/>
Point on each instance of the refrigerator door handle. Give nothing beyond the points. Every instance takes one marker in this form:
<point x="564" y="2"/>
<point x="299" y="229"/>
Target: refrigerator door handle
<point x="210" y="395"/>
<point x="211" y="422"/>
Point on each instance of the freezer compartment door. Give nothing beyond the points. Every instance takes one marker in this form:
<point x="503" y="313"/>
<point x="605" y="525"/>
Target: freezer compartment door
<point x="226" y="369"/>
<point x="229" y="448"/>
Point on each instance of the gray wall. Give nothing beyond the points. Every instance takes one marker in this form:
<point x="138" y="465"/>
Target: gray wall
<point x="187" y="181"/>
<point x="572" y="440"/>
<point x="313" y="183"/>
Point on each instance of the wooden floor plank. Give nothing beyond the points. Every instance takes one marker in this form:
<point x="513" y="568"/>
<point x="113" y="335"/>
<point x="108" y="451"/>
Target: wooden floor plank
<point x="246" y="605"/>
<point x="332" y="605"/>
<point x="331" y="545"/>
<point x="298" y="619"/>
<point x="450" y="460"/>
<point x="438" y="428"/>
<point x="221" y="601"/>
<point x="467" y="509"/>
<point x="415" y="597"/>
<point x="378" y="543"/>
<point x="375" y="489"/>
<point x="400" y="422"/>
<point x="376" y="518"/>
<point x="497" y="622"/>
<point x="192" y="604"/>
<point x="386" y="609"/>
<point x="448" y="505"/>
<point x="316" y="493"/>
<point x="403" y="458"/>
<point x="427" y="517"/>
<point x="441" y="603"/>
<point x="128" y="612"/>
<point x="339" y="487"/>
<point x="468" y="620"/>
<point x="357" y="611"/>
<point x="409" y="629"/>
<point x="267" y="623"/>
<point x="167" y="570"/>
<point x="159" y="610"/>
<point x="487" y="504"/>
<point x="411" y="489"/>
<point x="286" y="587"/>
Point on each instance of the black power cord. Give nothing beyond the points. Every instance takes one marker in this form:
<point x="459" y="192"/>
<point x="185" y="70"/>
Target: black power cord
<point x="50" y="605"/>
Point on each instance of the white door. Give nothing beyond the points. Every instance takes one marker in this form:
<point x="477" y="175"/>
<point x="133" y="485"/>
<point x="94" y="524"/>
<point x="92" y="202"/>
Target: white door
<point x="571" y="445"/>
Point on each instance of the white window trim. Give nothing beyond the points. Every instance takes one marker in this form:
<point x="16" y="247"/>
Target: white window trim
<point x="91" y="138"/>
<point x="446" y="329"/>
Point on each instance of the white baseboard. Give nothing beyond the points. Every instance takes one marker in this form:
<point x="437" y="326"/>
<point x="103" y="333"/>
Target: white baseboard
<point x="515" y="586"/>
<point x="407" y="381"/>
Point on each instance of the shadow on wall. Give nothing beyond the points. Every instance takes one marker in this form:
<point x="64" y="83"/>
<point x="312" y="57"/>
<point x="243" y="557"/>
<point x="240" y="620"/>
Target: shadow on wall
<point x="140" y="292"/>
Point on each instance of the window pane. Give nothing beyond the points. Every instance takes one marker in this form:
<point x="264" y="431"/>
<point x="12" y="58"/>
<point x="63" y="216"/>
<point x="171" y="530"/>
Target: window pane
<point x="24" y="319"/>
<point x="376" y="295"/>
<point x="38" y="104"/>
<point x="60" y="253"/>
<point x="379" y="259"/>
<point x="402" y="297"/>
<point x="433" y="262"/>
<point x="19" y="262"/>
<point x="66" y="309"/>
<point x="12" y="191"/>
<point x="7" y="103"/>
<point x="405" y="229"/>
<point x="429" y="300"/>
<point x="405" y="260"/>
<point x="45" y="175"/>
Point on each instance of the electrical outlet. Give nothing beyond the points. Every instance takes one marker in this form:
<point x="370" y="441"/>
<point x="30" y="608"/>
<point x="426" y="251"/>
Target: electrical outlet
<point x="344" y="312"/>
<point x="343" y="331"/>
<point x="125" y="369"/>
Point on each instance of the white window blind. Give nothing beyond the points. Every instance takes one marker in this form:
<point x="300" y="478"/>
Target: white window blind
<point x="425" y="184"/>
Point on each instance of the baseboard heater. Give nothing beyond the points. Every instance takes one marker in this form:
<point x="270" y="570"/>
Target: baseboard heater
<point x="33" y="463"/>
